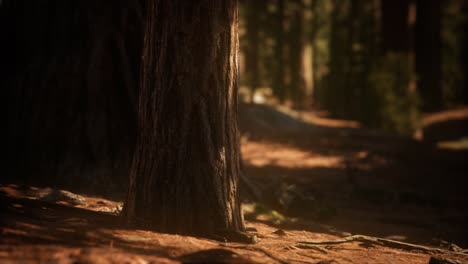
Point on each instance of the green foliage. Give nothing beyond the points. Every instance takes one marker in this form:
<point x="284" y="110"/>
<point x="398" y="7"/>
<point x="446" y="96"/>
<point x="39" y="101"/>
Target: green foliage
<point x="396" y="106"/>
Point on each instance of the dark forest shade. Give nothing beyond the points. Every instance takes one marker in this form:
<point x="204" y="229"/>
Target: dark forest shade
<point x="185" y="167"/>
<point x="429" y="53"/>
<point x="70" y="79"/>
<point x="396" y="31"/>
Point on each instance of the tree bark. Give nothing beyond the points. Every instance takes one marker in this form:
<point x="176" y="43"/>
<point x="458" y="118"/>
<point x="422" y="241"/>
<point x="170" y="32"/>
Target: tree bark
<point x="185" y="168"/>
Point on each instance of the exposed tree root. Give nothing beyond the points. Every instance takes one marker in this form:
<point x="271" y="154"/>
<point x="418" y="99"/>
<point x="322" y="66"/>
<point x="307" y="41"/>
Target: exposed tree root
<point x="379" y="241"/>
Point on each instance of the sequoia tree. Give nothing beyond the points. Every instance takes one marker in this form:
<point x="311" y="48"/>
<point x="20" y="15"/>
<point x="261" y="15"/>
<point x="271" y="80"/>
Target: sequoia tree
<point x="185" y="167"/>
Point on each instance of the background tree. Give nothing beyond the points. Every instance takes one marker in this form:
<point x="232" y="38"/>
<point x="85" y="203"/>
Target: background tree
<point x="253" y="13"/>
<point x="71" y="79"/>
<point x="185" y="167"/>
<point x="296" y="89"/>
<point x="278" y="84"/>
<point x="428" y="41"/>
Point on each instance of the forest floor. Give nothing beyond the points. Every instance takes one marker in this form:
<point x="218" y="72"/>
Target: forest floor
<point x="317" y="183"/>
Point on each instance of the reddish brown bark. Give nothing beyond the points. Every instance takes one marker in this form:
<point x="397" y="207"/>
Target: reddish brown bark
<point x="186" y="164"/>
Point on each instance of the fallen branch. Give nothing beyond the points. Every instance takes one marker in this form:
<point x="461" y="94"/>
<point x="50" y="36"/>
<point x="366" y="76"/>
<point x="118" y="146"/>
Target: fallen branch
<point x="381" y="242"/>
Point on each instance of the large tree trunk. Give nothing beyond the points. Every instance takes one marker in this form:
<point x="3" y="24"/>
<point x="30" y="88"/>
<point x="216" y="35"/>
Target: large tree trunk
<point x="185" y="167"/>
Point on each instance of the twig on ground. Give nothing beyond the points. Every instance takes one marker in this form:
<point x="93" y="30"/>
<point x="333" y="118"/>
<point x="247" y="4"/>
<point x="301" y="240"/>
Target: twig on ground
<point x="381" y="242"/>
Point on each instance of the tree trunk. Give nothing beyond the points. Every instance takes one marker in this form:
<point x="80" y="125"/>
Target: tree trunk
<point x="429" y="53"/>
<point x="279" y="82"/>
<point x="313" y="36"/>
<point x="296" y="48"/>
<point x="185" y="167"/>
<point x="338" y="64"/>
<point x="253" y="13"/>
<point x="398" y="22"/>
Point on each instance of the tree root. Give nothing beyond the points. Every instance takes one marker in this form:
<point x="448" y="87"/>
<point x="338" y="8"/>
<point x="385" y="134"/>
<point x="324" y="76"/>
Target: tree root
<point x="382" y="242"/>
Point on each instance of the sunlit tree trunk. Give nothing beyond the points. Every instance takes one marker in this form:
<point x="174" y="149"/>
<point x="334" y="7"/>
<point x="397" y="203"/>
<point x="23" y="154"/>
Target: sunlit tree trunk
<point x="185" y="167"/>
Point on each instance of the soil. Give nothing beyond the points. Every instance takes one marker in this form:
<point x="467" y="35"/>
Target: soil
<point x="318" y="179"/>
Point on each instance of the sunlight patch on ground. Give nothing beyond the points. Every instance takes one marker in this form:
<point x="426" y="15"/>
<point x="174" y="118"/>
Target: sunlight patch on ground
<point x="261" y="154"/>
<point x="445" y="116"/>
<point x="317" y="118"/>
<point x="461" y="144"/>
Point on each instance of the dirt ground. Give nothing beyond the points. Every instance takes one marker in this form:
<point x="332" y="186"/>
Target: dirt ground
<point x="314" y="179"/>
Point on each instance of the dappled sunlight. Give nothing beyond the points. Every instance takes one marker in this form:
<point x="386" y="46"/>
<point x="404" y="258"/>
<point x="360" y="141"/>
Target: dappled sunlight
<point x="445" y="116"/>
<point x="318" y="118"/>
<point x="261" y="154"/>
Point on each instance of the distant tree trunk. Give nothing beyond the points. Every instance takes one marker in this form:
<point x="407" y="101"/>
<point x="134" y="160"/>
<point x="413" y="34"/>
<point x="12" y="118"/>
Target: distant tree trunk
<point x="313" y="37"/>
<point x="429" y="53"/>
<point x="253" y="13"/>
<point x="279" y="82"/>
<point x="465" y="54"/>
<point x="398" y="21"/>
<point x="334" y="96"/>
<point x="185" y="167"/>
<point x="296" y="48"/>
